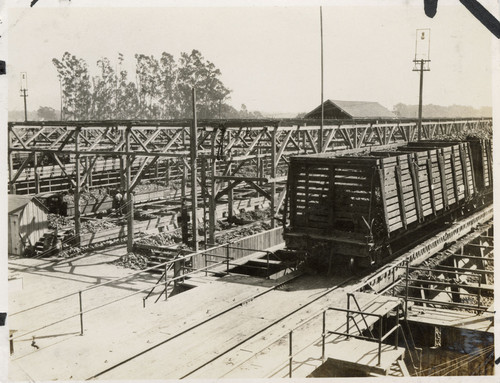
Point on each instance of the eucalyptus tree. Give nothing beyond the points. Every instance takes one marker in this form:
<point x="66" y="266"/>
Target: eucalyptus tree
<point x="76" y="87"/>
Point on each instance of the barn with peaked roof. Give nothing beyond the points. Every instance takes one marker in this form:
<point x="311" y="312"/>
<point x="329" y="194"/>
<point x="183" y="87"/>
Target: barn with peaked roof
<point x="351" y="110"/>
<point x="27" y="222"/>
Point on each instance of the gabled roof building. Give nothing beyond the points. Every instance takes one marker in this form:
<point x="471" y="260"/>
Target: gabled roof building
<point x="350" y="110"/>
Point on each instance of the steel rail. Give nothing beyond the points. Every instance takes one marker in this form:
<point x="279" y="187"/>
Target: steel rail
<point x="274" y="323"/>
<point x="212" y="317"/>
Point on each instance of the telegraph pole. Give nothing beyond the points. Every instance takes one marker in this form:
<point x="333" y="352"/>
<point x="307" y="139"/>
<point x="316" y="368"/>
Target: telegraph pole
<point x="421" y="62"/>
<point x="24" y="92"/>
<point x="320" y="141"/>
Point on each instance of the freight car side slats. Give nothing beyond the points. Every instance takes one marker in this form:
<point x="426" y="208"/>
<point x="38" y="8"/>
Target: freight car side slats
<point x="379" y="197"/>
<point x="320" y="190"/>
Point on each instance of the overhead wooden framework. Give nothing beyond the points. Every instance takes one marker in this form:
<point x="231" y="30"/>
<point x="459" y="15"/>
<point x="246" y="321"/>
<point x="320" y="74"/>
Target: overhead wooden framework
<point x="226" y="153"/>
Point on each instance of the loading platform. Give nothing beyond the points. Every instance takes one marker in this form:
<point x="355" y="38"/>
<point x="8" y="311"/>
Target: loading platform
<point x="354" y="341"/>
<point x="451" y="318"/>
<point x="355" y="346"/>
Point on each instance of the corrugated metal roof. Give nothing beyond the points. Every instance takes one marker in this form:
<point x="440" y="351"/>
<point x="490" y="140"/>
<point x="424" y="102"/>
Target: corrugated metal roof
<point x="17" y="202"/>
<point x="356" y="109"/>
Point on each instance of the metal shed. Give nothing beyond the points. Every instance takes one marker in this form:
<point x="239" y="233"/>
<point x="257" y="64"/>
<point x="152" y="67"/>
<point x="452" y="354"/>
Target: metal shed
<point x="27" y="222"/>
<point x="340" y="110"/>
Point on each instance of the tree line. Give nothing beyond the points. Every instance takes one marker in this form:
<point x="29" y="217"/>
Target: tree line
<point x="438" y="111"/>
<point x="161" y="89"/>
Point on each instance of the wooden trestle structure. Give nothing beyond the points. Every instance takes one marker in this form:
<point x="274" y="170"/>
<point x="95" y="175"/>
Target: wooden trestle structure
<point x="217" y="155"/>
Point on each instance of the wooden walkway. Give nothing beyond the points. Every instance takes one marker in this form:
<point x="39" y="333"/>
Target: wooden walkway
<point x="359" y="354"/>
<point x="267" y="355"/>
<point x="451" y="318"/>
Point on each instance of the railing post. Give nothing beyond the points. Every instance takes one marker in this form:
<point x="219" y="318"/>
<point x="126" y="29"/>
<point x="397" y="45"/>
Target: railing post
<point x="165" y="290"/>
<point x="398" y="328"/>
<point x="380" y="340"/>
<point x="227" y="258"/>
<point x="407" y="287"/>
<point x="267" y="253"/>
<point x="323" y="336"/>
<point x="81" y="312"/>
<point x="348" y="314"/>
<point x="479" y="295"/>
<point x="205" y="257"/>
<point x="11" y="342"/>
<point x="290" y="356"/>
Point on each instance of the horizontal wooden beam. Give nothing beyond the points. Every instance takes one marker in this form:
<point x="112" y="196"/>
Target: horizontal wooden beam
<point x="241" y="178"/>
<point x="111" y="153"/>
<point x="236" y="123"/>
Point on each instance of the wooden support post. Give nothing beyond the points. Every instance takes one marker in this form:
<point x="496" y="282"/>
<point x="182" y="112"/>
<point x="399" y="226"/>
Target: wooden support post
<point x="12" y="186"/>
<point x="213" y="192"/>
<point x="273" y="176"/>
<point x="77" y="187"/>
<point x="230" y="199"/>
<point x="194" y="155"/>
<point x="122" y="173"/>
<point x="35" y="173"/>
<point x="258" y="164"/>
<point x="204" y="196"/>
<point x="184" y="181"/>
<point x="130" y="195"/>
<point x="89" y="166"/>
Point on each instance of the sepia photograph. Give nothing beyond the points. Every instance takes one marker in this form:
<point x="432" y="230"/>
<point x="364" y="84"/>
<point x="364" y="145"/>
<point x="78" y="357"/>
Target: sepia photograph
<point x="248" y="189"/>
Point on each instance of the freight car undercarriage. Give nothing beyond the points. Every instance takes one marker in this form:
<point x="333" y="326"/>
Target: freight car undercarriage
<point x="361" y="211"/>
<point x="322" y="252"/>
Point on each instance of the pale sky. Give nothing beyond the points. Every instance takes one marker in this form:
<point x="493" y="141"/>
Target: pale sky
<point x="269" y="56"/>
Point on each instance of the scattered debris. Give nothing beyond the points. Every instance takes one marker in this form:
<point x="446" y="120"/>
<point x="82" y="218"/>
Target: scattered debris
<point x="132" y="261"/>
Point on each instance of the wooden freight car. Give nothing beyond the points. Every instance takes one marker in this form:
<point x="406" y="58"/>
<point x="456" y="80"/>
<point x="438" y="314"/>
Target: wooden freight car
<point x="481" y="152"/>
<point x="361" y="209"/>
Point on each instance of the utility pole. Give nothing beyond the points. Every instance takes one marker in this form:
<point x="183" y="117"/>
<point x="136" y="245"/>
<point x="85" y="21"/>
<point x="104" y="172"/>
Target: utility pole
<point x="320" y="141"/>
<point x="24" y="92"/>
<point x="421" y="61"/>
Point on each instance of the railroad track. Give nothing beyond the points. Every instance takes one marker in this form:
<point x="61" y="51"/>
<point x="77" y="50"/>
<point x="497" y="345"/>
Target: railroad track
<point x="110" y="371"/>
<point x="351" y="284"/>
<point x="197" y="325"/>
